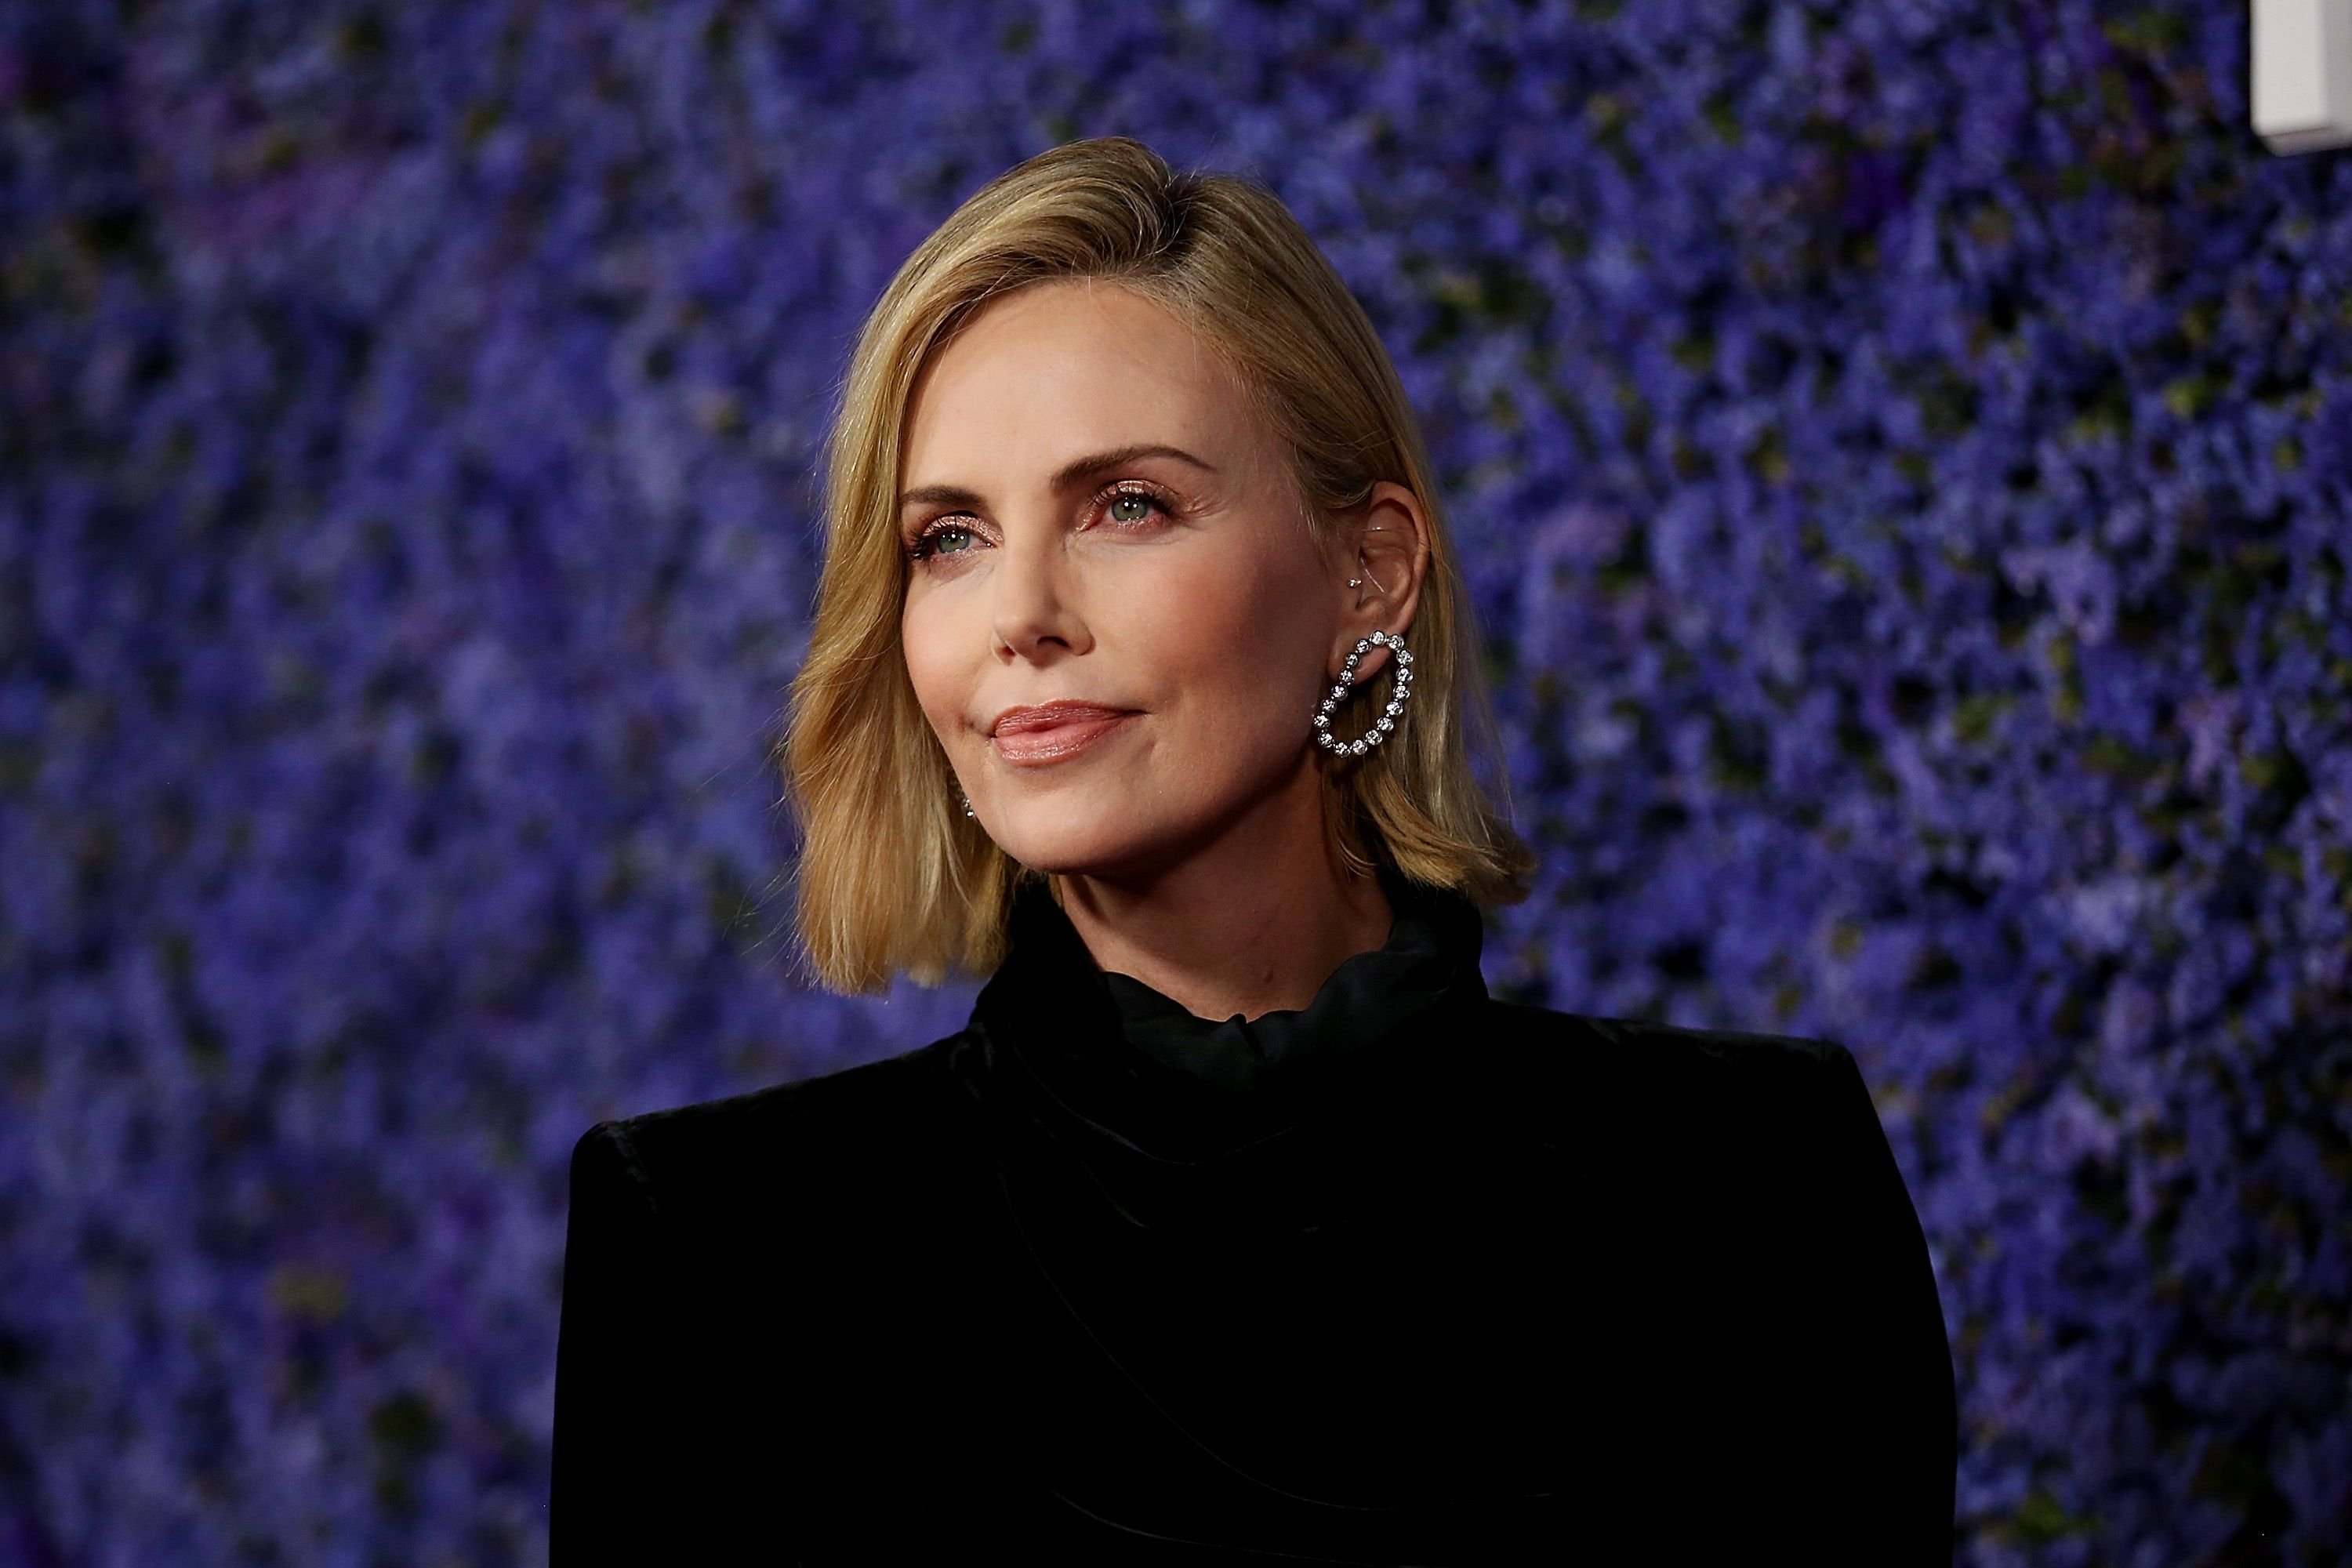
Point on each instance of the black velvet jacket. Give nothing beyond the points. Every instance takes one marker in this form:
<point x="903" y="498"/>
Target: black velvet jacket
<point x="1412" y="1277"/>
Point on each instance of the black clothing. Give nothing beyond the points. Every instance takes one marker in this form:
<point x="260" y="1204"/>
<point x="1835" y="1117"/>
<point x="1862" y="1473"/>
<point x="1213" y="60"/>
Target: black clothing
<point x="1411" y="1276"/>
<point x="1367" y="995"/>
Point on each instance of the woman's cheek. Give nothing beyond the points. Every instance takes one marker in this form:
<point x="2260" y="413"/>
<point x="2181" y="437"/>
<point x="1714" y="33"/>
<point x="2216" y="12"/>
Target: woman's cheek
<point x="935" y="683"/>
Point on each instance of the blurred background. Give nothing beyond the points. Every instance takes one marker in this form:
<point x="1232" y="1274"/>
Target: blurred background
<point x="1903" y="451"/>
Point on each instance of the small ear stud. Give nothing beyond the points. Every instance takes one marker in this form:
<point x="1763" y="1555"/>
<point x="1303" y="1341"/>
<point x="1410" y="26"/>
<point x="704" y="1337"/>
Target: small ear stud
<point x="1355" y="582"/>
<point x="967" y="804"/>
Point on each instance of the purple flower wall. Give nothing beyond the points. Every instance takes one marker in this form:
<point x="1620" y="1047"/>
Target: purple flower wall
<point x="1903" y="451"/>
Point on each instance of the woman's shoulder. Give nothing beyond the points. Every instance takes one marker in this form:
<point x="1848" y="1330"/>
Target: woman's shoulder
<point x="1766" y="1133"/>
<point x="837" y="1127"/>
<point x="1721" y="1101"/>
<point x="1677" y="1058"/>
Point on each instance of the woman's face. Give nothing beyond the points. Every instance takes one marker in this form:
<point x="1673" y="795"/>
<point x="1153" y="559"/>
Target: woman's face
<point x="1098" y="519"/>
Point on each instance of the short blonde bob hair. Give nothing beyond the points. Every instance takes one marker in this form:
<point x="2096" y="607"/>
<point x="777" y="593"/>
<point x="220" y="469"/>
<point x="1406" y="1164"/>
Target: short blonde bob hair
<point x="892" y="876"/>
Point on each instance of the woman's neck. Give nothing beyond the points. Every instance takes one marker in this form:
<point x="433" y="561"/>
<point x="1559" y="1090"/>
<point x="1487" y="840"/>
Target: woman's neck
<point x="1251" y="922"/>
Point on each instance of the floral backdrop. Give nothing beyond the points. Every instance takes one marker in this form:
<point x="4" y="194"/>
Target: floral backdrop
<point x="1903" y="449"/>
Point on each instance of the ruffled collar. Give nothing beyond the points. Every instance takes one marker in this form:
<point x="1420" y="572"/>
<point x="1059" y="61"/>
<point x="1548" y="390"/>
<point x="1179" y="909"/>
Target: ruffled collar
<point x="1178" y="1120"/>
<point x="1370" y="994"/>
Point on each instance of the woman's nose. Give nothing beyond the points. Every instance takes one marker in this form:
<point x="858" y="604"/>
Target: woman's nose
<point x="1036" y="607"/>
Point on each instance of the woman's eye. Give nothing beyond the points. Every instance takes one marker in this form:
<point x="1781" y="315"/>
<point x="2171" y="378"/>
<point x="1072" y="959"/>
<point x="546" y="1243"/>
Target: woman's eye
<point x="1126" y="509"/>
<point x="942" y="538"/>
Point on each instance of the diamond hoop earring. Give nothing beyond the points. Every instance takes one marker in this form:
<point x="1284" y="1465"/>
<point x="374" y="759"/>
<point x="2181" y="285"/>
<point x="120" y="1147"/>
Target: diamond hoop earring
<point x="1383" y="727"/>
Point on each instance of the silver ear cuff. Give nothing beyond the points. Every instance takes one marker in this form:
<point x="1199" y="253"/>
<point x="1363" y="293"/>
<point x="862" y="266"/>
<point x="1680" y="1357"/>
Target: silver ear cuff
<point x="1385" y="725"/>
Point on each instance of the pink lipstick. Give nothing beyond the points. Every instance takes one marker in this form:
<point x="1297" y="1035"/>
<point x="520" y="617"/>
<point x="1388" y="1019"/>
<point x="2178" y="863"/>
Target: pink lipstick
<point x="1054" y="731"/>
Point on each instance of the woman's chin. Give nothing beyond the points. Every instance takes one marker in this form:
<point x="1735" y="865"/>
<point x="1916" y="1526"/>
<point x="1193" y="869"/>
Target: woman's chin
<point x="1064" y="843"/>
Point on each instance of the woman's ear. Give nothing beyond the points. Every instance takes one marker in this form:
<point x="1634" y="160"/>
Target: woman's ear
<point x="1387" y="559"/>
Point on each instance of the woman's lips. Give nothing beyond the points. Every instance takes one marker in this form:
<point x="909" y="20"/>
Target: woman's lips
<point x="1052" y="742"/>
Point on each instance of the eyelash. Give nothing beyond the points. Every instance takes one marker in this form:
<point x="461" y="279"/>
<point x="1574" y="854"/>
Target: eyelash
<point x="922" y="548"/>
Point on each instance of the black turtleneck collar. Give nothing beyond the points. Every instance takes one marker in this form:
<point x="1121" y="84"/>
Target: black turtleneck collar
<point x="1105" y="1062"/>
<point x="1369" y="994"/>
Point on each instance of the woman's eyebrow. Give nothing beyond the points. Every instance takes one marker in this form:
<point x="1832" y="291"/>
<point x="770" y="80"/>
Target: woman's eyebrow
<point x="939" y="495"/>
<point x="1086" y="468"/>
<point x="1070" y="474"/>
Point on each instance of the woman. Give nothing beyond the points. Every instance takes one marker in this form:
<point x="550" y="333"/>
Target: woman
<point x="1240" y="1224"/>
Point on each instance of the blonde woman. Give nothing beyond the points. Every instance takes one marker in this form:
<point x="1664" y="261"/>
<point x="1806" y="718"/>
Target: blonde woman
<point x="1240" y="1224"/>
